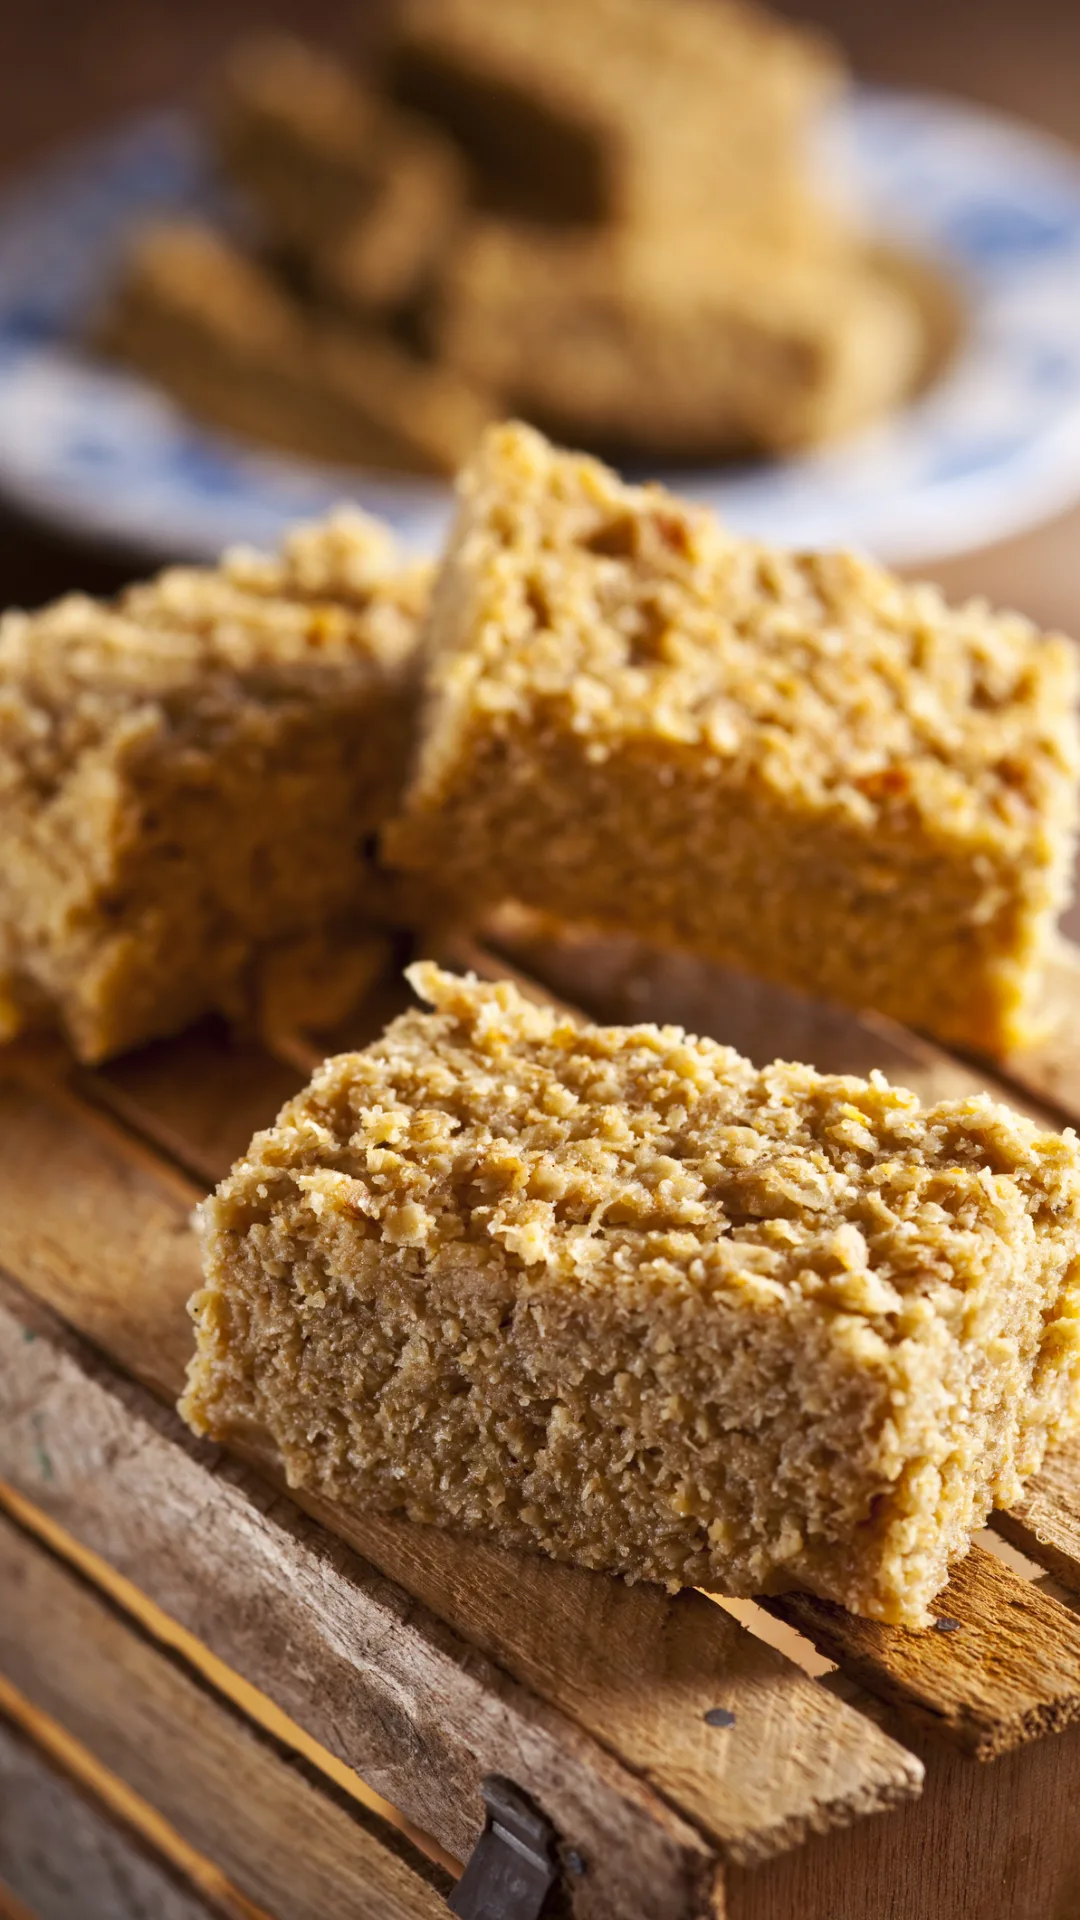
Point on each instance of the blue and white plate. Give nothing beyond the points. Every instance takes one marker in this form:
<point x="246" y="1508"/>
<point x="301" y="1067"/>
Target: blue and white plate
<point x="992" y="447"/>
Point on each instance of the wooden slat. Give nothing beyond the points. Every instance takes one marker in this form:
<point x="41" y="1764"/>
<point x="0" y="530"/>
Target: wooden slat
<point x="983" y="1843"/>
<point x="251" y="1703"/>
<point x="354" y="1660"/>
<point x="635" y="1669"/>
<point x="65" y="1856"/>
<point x="293" y="1847"/>
<point x="1004" y="1670"/>
<point x="1045" y="1524"/>
<point x="127" y="1807"/>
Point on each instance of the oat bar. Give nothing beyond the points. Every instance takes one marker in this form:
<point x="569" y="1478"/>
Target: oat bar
<point x="219" y="333"/>
<point x="363" y="196"/>
<point x="684" y="349"/>
<point x="795" y="763"/>
<point x="191" y="778"/>
<point x="618" y="1295"/>
<point x="614" y="110"/>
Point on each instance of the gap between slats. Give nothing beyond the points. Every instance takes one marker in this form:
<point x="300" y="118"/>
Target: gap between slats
<point x="288" y="1840"/>
<point x="73" y="1759"/>
<point x="255" y="1705"/>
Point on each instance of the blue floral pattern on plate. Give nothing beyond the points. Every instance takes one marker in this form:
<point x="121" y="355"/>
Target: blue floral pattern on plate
<point x="992" y="447"/>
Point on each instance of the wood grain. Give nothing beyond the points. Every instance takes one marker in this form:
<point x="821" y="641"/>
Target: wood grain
<point x="203" y="1117"/>
<point x="634" y="1668"/>
<point x="354" y="1660"/>
<point x="64" y="1855"/>
<point x="983" y="1843"/>
<point x="1005" y="1669"/>
<point x="291" y="1846"/>
<point x="246" y="1699"/>
<point x="1046" y="1523"/>
<point x="124" y="1805"/>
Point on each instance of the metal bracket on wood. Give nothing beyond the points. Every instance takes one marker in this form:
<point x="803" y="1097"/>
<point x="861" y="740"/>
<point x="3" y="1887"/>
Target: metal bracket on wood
<point x="514" y="1864"/>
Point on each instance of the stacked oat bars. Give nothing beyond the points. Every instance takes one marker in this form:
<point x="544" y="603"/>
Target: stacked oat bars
<point x="612" y="1293"/>
<point x="603" y="214"/>
<point x="615" y="1293"/>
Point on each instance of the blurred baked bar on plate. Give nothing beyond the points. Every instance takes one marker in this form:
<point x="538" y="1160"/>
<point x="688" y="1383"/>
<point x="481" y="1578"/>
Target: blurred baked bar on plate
<point x="225" y="337"/>
<point x="614" y="111"/>
<point x="634" y="343"/>
<point x="363" y="196"/>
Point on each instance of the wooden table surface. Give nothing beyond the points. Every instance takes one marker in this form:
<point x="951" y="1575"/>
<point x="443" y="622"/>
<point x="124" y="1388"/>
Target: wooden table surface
<point x="69" y="66"/>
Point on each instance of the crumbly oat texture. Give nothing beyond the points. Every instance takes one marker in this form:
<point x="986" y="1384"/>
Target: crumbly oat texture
<point x="616" y="1294"/>
<point x="683" y="348"/>
<point x="223" y="336"/>
<point x="190" y="781"/>
<point x="617" y="110"/>
<point x="795" y="763"/>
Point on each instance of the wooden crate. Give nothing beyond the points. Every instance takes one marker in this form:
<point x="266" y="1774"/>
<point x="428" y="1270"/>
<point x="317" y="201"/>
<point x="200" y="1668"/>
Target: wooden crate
<point x="198" y="1671"/>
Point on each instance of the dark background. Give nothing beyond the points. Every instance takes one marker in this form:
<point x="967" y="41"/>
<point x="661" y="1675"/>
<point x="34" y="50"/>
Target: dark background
<point x="68" y="67"/>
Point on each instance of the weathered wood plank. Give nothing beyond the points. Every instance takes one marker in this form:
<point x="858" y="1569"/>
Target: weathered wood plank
<point x="1045" y="1524"/>
<point x="64" y="1855"/>
<point x="1004" y="1668"/>
<point x="983" y="1843"/>
<point x="635" y="1669"/>
<point x="98" y="1228"/>
<point x="353" y="1659"/>
<point x="293" y="1847"/>
<point x="124" y="1805"/>
<point x="252" y="1704"/>
<point x="200" y="1098"/>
